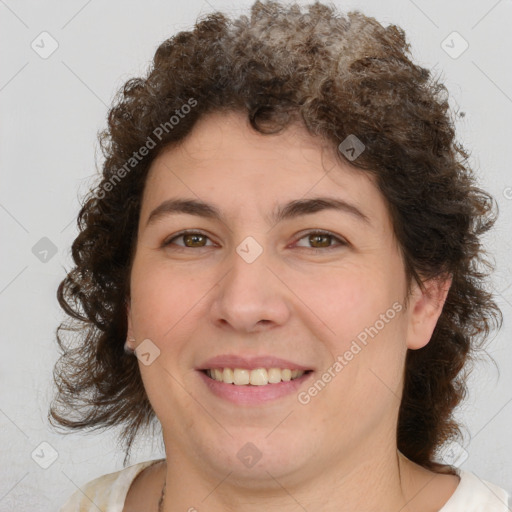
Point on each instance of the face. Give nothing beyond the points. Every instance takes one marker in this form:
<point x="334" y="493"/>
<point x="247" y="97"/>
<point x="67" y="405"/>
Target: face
<point x="269" y="276"/>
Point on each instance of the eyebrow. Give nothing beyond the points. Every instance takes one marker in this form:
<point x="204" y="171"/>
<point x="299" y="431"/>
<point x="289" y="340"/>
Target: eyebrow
<point x="292" y="209"/>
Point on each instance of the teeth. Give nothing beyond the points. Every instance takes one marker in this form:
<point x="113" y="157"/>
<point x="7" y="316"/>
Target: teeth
<point x="242" y="377"/>
<point x="256" y="377"/>
<point x="227" y="376"/>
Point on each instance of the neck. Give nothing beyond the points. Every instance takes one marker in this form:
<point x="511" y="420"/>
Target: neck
<point x="373" y="485"/>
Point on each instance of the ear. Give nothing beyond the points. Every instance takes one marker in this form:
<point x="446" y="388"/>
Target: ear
<point x="130" y="338"/>
<point x="425" y="308"/>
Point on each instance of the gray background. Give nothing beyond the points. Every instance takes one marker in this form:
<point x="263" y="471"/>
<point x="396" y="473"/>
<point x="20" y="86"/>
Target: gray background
<point x="51" y="110"/>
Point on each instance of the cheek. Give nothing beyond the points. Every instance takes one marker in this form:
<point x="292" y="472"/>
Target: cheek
<point x="363" y="334"/>
<point x="163" y="298"/>
<point x="345" y="301"/>
<point x="358" y="317"/>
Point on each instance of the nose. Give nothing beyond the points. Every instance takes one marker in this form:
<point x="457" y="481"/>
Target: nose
<point x="251" y="297"/>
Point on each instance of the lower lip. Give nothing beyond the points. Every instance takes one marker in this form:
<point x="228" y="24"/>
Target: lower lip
<point x="253" y="395"/>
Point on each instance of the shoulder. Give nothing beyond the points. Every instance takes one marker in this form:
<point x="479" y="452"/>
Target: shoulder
<point x="474" y="494"/>
<point x="107" y="492"/>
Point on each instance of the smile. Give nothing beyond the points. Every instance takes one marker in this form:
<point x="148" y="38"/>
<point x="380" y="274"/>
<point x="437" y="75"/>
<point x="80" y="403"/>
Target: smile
<point x="242" y="392"/>
<point x="254" y="377"/>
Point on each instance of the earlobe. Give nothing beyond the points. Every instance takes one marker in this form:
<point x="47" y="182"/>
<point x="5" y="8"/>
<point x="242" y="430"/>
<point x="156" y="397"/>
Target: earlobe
<point x="129" y="345"/>
<point x="426" y="307"/>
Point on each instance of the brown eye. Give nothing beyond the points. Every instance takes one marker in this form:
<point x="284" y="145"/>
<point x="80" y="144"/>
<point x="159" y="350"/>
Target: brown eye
<point x="321" y="240"/>
<point x="316" y="240"/>
<point x="191" y="239"/>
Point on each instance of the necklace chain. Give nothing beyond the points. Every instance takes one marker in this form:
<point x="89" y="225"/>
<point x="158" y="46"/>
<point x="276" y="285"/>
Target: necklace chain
<point x="161" y="501"/>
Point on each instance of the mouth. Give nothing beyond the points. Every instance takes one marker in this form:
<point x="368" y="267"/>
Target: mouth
<point x="254" y="387"/>
<point x="253" y="380"/>
<point x="255" y="376"/>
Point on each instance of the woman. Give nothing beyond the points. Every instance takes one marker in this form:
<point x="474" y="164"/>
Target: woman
<point x="282" y="264"/>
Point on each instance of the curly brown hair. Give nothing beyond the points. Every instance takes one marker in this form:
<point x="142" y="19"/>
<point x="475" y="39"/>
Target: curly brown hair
<point x="338" y="75"/>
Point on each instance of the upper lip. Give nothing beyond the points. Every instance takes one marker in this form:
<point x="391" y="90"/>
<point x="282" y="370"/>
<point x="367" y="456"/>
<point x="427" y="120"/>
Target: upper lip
<point x="250" y="363"/>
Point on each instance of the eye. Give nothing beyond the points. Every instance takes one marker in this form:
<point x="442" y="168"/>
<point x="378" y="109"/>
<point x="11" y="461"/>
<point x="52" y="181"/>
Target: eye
<point x="323" y="239"/>
<point x="196" y="239"/>
<point x="191" y="239"/>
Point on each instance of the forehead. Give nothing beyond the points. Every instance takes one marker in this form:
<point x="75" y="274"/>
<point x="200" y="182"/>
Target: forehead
<point x="226" y="162"/>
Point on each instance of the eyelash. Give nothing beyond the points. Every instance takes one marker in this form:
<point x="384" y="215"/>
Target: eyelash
<point x="340" y="241"/>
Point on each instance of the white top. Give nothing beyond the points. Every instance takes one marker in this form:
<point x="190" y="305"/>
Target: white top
<point x="108" y="493"/>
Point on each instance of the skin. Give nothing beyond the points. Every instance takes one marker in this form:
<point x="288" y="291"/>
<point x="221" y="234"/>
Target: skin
<point x="338" y="452"/>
